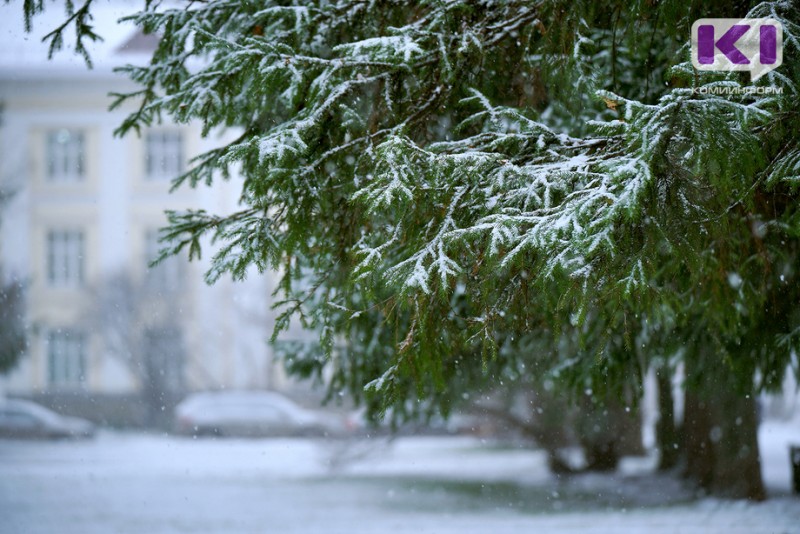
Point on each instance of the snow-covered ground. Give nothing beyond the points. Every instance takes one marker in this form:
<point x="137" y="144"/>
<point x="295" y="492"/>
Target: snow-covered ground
<point x="133" y="483"/>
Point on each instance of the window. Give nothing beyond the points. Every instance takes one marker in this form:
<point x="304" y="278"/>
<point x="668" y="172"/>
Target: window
<point x="65" y="155"/>
<point x="164" y="155"/>
<point x="65" y="252"/>
<point x="167" y="275"/>
<point x="66" y="358"/>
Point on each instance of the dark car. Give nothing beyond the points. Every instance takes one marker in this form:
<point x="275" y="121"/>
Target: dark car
<point x="28" y="420"/>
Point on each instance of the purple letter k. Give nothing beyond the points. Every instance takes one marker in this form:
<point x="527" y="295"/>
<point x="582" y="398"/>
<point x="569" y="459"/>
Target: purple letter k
<point x="726" y="44"/>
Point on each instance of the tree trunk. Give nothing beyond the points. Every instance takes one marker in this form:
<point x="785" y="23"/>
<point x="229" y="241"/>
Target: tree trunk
<point x="609" y="427"/>
<point x="720" y="431"/>
<point x="697" y="447"/>
<point x="666" y="432"/>
<point x="737" y="469"/>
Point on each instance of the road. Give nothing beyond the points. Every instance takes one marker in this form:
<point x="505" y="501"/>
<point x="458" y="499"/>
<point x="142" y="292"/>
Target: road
<point x="129" y="483"/>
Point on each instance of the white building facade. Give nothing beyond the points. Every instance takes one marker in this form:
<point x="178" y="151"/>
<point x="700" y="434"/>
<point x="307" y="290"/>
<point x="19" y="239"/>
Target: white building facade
<point x="84" y="222"/>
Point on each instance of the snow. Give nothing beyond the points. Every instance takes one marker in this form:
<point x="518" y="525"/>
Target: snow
<point x="396" y="45"/>
<point x="158" y="484"/>
<point x="281" y="144"/>
<point x="379" y="383"/>
<point x="735" y="280"/>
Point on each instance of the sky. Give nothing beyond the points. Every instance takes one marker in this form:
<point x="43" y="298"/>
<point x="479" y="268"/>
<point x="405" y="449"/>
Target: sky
<point x="21" y="50"/>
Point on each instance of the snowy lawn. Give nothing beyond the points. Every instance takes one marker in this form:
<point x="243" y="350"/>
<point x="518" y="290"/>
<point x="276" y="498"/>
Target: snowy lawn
<point x="155" y="484"/>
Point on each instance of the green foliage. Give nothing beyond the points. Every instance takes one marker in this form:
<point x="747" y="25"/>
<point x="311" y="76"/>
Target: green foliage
<point x="13" y="330"/>
<point x="458" y="193"/>
<point x="13" y="333"/>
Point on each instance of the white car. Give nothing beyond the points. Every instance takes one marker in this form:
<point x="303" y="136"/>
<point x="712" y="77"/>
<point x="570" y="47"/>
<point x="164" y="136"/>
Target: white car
<point x="28" y="420"/>
<point x="250" y="413"/>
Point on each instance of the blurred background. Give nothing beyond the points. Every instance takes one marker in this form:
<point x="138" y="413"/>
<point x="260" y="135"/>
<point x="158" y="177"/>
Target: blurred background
<point x="144" y="360"/>
<point x="81" y="214"/>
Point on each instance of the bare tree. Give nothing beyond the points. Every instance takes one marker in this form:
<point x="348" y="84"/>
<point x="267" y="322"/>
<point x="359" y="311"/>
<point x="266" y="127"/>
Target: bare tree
<point x="140" y="327"/>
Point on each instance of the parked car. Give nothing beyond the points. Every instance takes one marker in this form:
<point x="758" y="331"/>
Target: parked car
<point x="250" y="414"/>
<point x="26" y="419"/>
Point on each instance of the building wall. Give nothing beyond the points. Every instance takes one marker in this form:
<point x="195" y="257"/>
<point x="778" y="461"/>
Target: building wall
<point x="225" y="326"/>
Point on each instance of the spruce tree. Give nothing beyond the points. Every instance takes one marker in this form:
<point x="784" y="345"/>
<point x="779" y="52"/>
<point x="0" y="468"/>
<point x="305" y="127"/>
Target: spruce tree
<point x="460" y="193"/>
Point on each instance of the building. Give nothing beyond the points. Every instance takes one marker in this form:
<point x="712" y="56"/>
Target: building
<point x="83" y="226"/>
